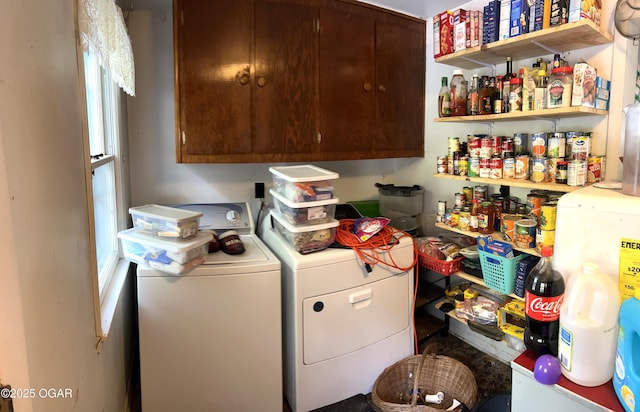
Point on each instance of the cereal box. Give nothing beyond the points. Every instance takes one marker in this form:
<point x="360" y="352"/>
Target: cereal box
<point x="584" y="85"/>
<point x="446" y="33"/>
<point x="559" y="12"/>
<point x="585" y="9"/>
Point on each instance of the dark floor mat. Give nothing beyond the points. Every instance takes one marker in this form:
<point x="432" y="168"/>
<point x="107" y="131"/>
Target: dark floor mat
<point x="357" y="403"/>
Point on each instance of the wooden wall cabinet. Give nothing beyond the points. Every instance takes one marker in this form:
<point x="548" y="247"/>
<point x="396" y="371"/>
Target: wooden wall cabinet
<point x="296" y="80"/>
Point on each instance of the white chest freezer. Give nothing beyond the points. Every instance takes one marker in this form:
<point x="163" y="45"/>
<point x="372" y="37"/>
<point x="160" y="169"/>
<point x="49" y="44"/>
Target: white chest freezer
<point x="597" y="225"/>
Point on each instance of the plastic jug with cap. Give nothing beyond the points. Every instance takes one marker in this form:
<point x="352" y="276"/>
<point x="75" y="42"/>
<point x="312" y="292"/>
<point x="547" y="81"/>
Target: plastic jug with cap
<point x="631" y="159"/>
<point x="626" y="379"/>
<point x="588" y="327"/>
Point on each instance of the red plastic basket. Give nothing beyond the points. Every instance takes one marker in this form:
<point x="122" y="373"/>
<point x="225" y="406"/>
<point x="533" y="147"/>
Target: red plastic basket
<point x="441" y="266"/>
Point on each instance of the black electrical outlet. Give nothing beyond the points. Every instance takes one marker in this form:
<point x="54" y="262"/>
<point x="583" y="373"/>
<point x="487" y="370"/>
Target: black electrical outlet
<point x="258" y="190"/>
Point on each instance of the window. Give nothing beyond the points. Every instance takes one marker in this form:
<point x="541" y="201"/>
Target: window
<point x="103" y="105"/>
<point x="105" y="61"/>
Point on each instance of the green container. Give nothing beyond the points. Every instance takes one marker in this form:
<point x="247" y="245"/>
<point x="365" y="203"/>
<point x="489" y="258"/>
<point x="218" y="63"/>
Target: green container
<point x="368" y="208"/>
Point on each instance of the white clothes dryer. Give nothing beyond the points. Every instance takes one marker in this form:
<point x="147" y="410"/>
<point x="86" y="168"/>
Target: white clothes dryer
<point x="211" y="340"/>
<point x="342" y="324"/>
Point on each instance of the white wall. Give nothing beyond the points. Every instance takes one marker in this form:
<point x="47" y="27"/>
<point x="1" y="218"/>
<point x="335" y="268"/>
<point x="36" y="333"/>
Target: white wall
<point x="47" y="338"/>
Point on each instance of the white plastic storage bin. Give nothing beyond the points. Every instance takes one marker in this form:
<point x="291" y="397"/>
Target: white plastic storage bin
<point x="306" y="238"/>
<point x="305" y="183"/>
<point x="165" y="255"/>
<point x="320" y="211"/>
<point x="165" y="221"/>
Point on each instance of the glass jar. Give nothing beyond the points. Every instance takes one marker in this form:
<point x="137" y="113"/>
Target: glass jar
<point x="559" y="87"/>
<point x="458" y="94"/>
<point x="486" y="218"/>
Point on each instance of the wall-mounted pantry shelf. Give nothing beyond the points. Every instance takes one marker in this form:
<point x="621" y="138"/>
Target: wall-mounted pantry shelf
<point x="475" y="234"/>
<point x="557" y="187"/>
<point x="557" y="113"/>
<point x="569" y="36"/>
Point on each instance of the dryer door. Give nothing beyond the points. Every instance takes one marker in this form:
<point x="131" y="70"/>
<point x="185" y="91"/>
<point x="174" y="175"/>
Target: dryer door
<point x="338" y="323"/>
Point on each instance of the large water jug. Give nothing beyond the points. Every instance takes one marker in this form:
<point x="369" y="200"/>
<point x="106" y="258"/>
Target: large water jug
<point x="589" y="327"/>
<point x="631" y="159"/>
<point x="626" y="379"/>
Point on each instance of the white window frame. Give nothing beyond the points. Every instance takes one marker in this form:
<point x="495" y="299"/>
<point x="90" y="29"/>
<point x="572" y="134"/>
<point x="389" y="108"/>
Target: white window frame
<point x="105" y="124"/>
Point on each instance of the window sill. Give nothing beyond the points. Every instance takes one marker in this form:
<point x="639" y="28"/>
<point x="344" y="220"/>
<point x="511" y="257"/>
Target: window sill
<point x="109" y="301"/>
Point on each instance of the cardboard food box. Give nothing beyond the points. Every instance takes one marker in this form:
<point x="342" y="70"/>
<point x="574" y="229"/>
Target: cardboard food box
<point x="446" y="33"/>
<point x="519" y="18"/>
<point x="505" y="19"/>
<point x="585" y="9"/>
<point x="559" y="12"/>
<point x="603" y="89"/>
<point x="584" y="85"/>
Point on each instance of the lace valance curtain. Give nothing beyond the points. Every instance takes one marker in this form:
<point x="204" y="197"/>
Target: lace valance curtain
<point x="102" y="26"/>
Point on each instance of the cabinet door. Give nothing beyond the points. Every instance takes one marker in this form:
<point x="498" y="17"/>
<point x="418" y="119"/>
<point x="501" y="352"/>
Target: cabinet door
<point x="400" y="85"/>
<point x="347" y="82"/>
<point x="213" y="63"/>
<point x="285" y="79"/>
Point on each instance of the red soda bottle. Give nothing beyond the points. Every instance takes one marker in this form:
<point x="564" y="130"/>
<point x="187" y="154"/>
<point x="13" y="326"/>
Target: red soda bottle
<point x="544" y="293"/>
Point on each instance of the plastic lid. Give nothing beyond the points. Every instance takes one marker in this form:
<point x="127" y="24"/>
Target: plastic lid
<point x="303" y="173"/>
<point x="562" y="70"/>
<point x="457" y="72"/>
<point x="590" y="268"/>
<point x="165" y="212"/>
<point x="546" y="251"/>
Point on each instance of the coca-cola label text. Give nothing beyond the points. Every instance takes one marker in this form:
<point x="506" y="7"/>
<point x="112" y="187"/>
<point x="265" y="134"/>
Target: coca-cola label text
<point x="543" y="308"/>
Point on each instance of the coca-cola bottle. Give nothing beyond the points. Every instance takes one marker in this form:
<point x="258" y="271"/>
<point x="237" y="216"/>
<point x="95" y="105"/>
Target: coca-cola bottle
<point x="544" y="292"/>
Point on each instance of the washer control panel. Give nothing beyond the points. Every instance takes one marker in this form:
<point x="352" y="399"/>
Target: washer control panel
<point x="223" y="216"/>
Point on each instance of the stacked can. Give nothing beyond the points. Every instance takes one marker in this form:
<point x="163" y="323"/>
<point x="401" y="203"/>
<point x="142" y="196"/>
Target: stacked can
<point x="578" y="148"/>
<point x="539" y="160"/>
<point x="521" y="156"/>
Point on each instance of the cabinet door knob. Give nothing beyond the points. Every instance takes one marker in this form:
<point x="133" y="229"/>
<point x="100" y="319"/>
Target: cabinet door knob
<point x="243" y="76"/>
<point x="262" y="81"/>
<point x="367" y="87"/>
<point x="382" y="89"/>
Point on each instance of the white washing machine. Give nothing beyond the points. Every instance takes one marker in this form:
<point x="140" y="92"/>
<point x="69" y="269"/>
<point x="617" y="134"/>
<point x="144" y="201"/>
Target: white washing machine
<point x="342" y="325"/>
<point x="211" y="340"/>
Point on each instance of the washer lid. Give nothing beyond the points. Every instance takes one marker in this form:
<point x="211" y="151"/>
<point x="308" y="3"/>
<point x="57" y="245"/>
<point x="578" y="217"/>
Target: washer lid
<point x="223" y="216"/>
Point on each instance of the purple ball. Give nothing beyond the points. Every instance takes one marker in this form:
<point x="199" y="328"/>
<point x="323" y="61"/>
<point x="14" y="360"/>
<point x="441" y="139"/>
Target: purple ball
<point x="547" y="370"/>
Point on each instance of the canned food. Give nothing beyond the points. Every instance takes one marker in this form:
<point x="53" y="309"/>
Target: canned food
<point x="569" y="142"/>
<point x="544" y="238"/>
<point x="454" y="219"/>
<point x="450" y="164"/>
<point x="473" y="146"/>
<point x="552" y="168"/>
<point x="580" y="146"/>
<point x="480" y="192"/>
<point x="595" y="169"/>
<point x="496" y="145"/>
<point x="548" y="215"/>
<point x="539" y="167"/>
<point x="525" y="233"/>
<point x="442" y="207"/>
<point x="508" y="226"/>
<point x="507" y="146"/>
<point x="556" y="145"/>
<point x="459" y="200"/>
<point x="442" y="164"/>
<point x="463" y="166"/>
<point x="577" y="173"/>
<point x="534" y="203"/>
<point x="520" y="143"/>
<point x="495" y="167"/>
<point x="485" y="167"/>
<point x="468" y="194"/>
<point x="539" y="144"/>
<point x="509" y="168"/>
<point x="454" y="145"/>
<point x="474" y="167"/>
<point x="522" y="167"/>
<point x="486" y="148"/>
<point x="465" y="218"/>
<point x="561" y="172"/>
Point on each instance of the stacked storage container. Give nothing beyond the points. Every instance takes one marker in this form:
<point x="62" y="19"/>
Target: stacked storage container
<point x="305" y="206"/>
<point x="165" y="238"/>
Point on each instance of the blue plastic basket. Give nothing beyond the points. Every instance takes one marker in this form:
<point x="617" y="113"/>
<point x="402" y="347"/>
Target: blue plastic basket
<point x="499" y="272"/>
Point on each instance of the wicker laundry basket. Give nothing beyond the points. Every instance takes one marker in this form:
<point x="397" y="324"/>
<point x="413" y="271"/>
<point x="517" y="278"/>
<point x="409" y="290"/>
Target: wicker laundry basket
<point x="429" y="373"/>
